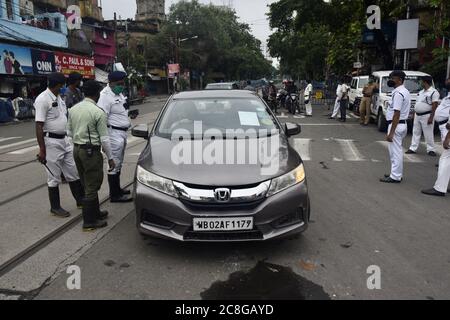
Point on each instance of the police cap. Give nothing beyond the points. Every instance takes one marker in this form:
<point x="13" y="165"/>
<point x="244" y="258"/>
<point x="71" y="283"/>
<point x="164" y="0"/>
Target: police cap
<point x="56" y="78"/>
<point x="398" y="73"/>
<point x="74" y="77"/>
<point x="116" y="76"/>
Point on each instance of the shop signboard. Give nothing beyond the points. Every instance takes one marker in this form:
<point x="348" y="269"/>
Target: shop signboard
<point x="68" y="63"/>
<point x="15" y="60"/>
<point x="43" y="62"/>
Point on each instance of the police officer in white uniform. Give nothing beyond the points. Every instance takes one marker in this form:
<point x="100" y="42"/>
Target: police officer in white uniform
<point x="397" y="115"/>
<point x="55" y="148"/>
<point x="443" y="119"/>
<point x="426" y="106"/>
<point x="308" y="97"/>
<point x="337" y="103"/>
<point x="112" y="101"/>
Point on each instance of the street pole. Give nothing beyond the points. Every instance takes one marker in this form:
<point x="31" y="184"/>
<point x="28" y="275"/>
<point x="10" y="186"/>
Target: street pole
<point x="405" y="57"/>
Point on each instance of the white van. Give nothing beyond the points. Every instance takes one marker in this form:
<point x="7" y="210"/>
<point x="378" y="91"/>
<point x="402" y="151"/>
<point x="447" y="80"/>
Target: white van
<point x="382" y="98"/>
<point x="356" y="91"/>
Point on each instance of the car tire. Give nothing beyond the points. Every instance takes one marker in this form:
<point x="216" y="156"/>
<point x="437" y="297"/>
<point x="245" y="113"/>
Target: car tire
<point x="381" y="122"/>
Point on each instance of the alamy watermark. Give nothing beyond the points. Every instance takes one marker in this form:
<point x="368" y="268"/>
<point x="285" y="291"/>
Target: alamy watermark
<point x="374" y="280"/>
<point x="228" y="147"/>
<point x="74" y="280"/>
<point x="374" y="19"/>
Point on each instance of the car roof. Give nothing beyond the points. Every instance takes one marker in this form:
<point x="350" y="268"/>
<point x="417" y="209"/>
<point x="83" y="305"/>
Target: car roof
<point x="221" y="84"/>
<point x="361" y="77"/>
<point x="408" y="73"/>
<point x="210" y="94"/>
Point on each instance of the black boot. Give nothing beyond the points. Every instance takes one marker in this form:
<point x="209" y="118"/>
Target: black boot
<point x="55" y="202"/>
<point x="123" y="191"/>
<point x="90" y="213"/>
<point x="114" y="190"/>
<point x="101" y="215"/>
<point x="78" y="192"/>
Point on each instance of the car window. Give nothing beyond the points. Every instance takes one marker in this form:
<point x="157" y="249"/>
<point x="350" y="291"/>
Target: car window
<point x="363" y="83"/>
<point x="218" y="114"/>
<point x="412" y="83"/>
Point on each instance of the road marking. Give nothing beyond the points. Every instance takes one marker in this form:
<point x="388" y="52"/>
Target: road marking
<point x="283" y="116"/>
<point x="24" y="150"/>
<point x="9" y="138"/>
<point x="350" y="151"/>
<point x="408" y="157"/>
<point x="303" y="147"/>
<point x="17" y="144"/>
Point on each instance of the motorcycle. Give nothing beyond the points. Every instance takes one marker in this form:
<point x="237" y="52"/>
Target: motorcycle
<point x="281" y="98"/>
<point x="292" y="103"/>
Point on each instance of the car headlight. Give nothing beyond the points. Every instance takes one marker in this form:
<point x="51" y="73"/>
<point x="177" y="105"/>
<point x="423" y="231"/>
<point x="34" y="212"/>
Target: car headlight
<point x="156" y="182"/>
<point x="286" y="181"/>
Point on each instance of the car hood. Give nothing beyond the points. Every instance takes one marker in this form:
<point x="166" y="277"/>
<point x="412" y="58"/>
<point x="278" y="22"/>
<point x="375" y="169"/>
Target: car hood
<point x="160" y="158"/>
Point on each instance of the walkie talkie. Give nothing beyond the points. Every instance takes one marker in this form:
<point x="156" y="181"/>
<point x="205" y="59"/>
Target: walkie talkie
<point x="89" y="146"/>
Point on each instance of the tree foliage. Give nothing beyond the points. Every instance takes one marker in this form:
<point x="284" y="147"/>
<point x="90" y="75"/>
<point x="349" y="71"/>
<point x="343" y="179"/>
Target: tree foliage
<point x="224" y="48"/>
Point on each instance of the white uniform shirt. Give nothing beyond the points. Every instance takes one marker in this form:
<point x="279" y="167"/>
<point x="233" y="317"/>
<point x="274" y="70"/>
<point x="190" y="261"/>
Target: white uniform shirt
<point x="308" y="91"/>
<point x="400" y="101"/>
<point x="54" y="118"/>
<point x="343" y="91"/>
<point x="426" y="99"/>
<point x="443" y="111"/>
<point x="113" y="105"/>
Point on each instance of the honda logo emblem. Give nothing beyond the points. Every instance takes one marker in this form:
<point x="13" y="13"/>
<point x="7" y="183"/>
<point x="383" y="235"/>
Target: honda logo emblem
<point x="222" y="195"/>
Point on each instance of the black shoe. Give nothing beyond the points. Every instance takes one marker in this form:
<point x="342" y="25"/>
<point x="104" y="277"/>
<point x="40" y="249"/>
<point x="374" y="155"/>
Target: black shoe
<point x="78" y="192"/>
<point x="122" y="191"/>
<point x="433" y="192"/>
<point x="410" y="152"/>
<point x="432" y="154"/>
<point x="389" y="180"/>
<point x="90" y="216"/>
<point x="101" y="215"/>
<point x="115" y="191"/>
<point x="55" y="203"/>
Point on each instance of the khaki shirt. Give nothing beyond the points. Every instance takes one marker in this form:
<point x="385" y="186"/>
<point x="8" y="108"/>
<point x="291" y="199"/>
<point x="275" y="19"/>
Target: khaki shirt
<point x="84" y="115"/>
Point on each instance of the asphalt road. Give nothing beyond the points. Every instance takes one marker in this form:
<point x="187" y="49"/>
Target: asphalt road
<point x="357" y="222"/>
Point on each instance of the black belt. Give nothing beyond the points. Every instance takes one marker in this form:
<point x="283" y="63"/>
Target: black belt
<point x="440" y="123"/>
<point x="118" y="128"/>
<point x="86" y="146"/>
<point x="423" y="113"/>
<point x="54" y="135"/>
<point x="401" y="121"/>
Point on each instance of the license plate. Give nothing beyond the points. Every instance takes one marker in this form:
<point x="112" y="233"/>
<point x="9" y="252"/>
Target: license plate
<point x="223" y="224"/>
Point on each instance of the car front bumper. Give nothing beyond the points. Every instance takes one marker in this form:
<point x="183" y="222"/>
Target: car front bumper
<point x="282" y="215"/>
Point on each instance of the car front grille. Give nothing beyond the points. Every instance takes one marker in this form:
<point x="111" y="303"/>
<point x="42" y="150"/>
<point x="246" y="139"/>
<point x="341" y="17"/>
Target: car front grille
<point x="224" y="236"/>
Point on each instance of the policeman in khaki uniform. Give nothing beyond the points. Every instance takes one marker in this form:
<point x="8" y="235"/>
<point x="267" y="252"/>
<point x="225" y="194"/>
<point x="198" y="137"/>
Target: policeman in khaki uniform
<point x="55" y="148"/>
<point x="397" y="115"/>
<point x="112" y="101"/>
<point x="426" y="106"/>
<point x="87" y="126"/>
<point x="443" y="120"/>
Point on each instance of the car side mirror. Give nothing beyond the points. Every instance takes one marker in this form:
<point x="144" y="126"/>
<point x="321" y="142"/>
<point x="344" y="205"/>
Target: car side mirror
<point x="292" y="129"/>
<point x="140" y="131"/>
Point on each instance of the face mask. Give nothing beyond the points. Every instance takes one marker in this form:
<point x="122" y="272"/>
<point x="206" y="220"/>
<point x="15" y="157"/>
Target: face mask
<point x="118" y="89"/>
<point x="81" y="84"/>
<point x="391" y="84"/>
<point x="62" y="91"/>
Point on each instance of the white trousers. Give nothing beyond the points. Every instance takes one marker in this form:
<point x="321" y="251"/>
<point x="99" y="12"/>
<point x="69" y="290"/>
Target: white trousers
<point x="337" y="108"/>
<point x="118" y="140"/>
<point x="444" y="131"/>
<point x="396" y="151"/>
<point x="421" y="125"/>
<point x="443" y="179"/>
<point x="308" y="109"/>
<point x="60" y="160"/>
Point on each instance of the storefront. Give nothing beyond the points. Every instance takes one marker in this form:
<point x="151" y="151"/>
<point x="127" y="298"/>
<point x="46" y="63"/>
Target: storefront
<point x="24" y="70"/>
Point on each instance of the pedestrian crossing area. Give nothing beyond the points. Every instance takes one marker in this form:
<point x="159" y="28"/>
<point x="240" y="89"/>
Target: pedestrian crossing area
<point x="330" y="149"/>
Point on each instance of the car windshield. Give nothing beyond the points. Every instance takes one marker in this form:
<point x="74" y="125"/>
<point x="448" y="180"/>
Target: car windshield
<point x="413" y="84"/>
<point x="363" y="82"/>
<point x="240" y="117"/>
<point x="219" y="86"/>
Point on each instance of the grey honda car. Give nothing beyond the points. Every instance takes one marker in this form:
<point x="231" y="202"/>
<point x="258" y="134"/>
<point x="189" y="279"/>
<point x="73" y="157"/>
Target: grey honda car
<point x="218" y="166"/>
